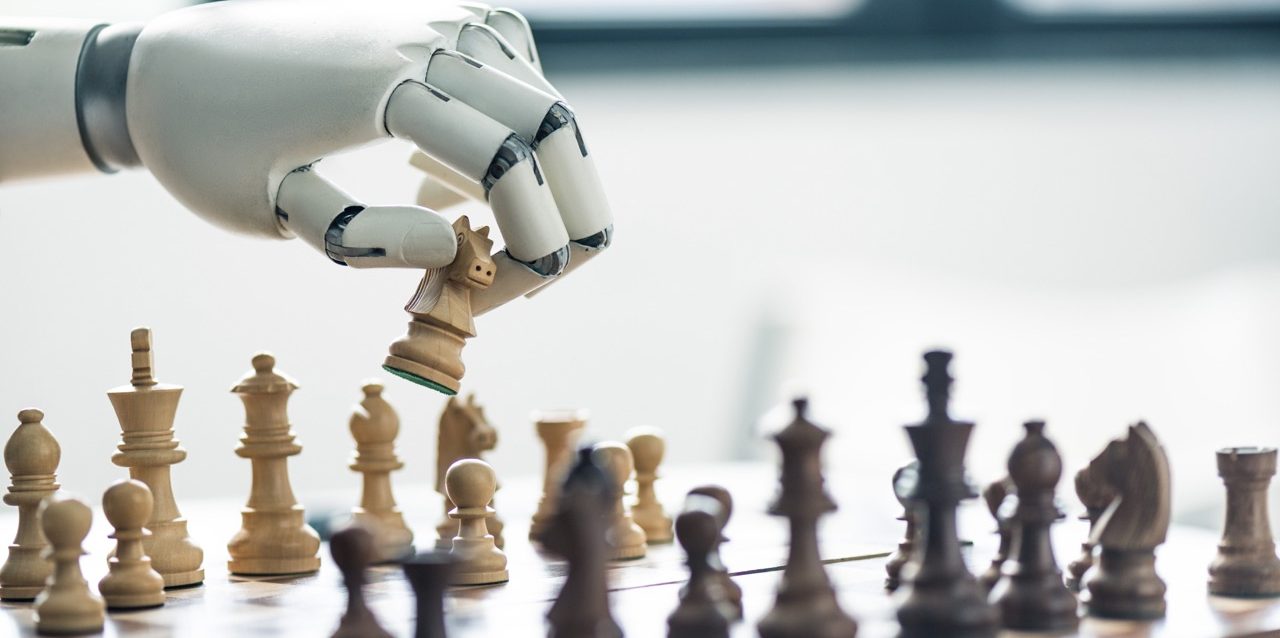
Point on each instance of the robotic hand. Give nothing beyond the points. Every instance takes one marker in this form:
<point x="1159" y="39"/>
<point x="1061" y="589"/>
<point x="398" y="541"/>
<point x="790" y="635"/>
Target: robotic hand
<point x="232" y="104"/>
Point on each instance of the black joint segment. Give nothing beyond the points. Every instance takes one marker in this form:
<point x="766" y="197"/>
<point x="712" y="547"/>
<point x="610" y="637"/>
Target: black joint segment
<point x="512" y="151"/>
<point x="598" y="241"/>
<point x="333" y="246"/>
<point x="16" y="37"/>
<point x="558" y="117"/>
<point x="101" y="79"/>
<point x="550" y="265"/>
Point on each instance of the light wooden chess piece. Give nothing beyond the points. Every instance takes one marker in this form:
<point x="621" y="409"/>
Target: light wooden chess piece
<point x="625" y="538"/>
<point x="431" y="354"/>
<point x="273" y="538"/>
<point x="131" y="582"/>
<point x="559" y="431"/>
<point x="470" y="484"/>
<point x="647" y="448"/>
<point x="66" y="606"/>
<point x="32" y="456"/>
<point x="146" y="412"/>
<point x="463" y="433"/>
<point x="374" y="426"/>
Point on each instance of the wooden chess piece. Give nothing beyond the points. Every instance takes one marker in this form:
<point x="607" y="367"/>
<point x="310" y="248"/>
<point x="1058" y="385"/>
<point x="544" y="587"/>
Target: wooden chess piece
<point x="1246" y="564"/>
<point x="995" y="495"/>
<point x="66" y="606"/>
<point x="470" y="484"/>
<point x="733" y="593"/>
<point x="131" y="582"/>
<point x="354" y="549"/>
<point x="904" y="483"/>
<point x="938" y="596"/>
<point x="375" y="425"/>
<point x="429" y="574"/>
<point x="32" y="456"/>
<point x="806" y="605"/>
<point x="1124" y="584"/>
<point x="647" y="448"/>
<point x="464" y="433"/>
<point x="1031" y="595"/>
<point x="273" y="537"/>
<point x="146" y="410"/>
<point x="576" y="531"/>
<point x="626" y="539"/>
<point x="558" y="430"/>
<point x="431" y="353"/>
<point x="1096" y="496"/>
<point x="704" y="610"/>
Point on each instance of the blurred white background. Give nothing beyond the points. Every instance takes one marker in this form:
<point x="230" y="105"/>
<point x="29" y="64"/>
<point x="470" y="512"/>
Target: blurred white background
<point x="1097" y="241"/>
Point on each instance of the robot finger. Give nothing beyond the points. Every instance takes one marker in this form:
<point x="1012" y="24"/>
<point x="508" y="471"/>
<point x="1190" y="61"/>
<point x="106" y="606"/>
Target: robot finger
<point x="352" y="234"/>
<point x="515" y="29"/>
<point x="485" y="44"/>
<point x="492" y="155"/>
<point x="550" y="128"/>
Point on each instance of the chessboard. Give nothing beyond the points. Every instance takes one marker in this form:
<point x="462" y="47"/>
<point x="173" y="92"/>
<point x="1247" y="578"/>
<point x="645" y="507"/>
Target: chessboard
<point x="856" y="541"/>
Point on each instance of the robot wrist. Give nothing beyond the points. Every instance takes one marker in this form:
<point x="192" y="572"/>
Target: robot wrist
<point x="101" y="81"/>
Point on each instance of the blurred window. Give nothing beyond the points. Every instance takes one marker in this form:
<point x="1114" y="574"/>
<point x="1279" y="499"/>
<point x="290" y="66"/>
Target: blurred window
<point x="588" y="11"/>
<point x="1142" y="7"/>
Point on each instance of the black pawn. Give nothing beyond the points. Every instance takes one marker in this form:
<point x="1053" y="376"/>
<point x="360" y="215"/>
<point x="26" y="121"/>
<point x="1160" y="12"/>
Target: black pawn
<point x="806" y="606"/>
<point x="731" y="589"/>
<point x="904" y="483"/>
<point x="704" y="610"/>
<point x="996" y="495"/>
<point x="353" y="551"/>
<point x="428" y="575"/>
<point x="939" y="596"/>
<point x="1031" y="594"/>
<point x="576" y="532"/>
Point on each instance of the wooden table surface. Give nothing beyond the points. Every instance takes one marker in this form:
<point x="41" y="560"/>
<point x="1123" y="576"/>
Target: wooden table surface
<point x="855" y="542"/>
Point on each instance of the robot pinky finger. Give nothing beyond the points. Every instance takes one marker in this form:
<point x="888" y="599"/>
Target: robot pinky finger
<point x="485" y="44"/>
<point x="515" y="29"/>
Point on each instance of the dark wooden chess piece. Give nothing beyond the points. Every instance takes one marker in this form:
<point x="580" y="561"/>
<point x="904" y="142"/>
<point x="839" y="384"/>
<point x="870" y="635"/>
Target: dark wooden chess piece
<point x="732" y="591"/>
<point x="704" y="610"/>
<point x="806" y="606"/>
<point x="353" y="551"/>
<point x="939" y="597"/>
<point x="904" y="483"/>
<point x="428" y="574"/>
<point x="1246" y="564"/>
<point x="1095" y="496"/>
<point x="576" y="531"/>
<point x="1030" y="594"/>
<point x="1124" y="584"/>
<point x="995" y="495"/>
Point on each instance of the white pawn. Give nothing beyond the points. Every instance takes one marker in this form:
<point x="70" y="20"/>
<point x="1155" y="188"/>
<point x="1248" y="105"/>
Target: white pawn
<point x="647" y="449"/>
<point x="470" y="484"/>
<point x="67" y="605"/>
<point x="131" y="582"/>
<point x="626" y="539"/>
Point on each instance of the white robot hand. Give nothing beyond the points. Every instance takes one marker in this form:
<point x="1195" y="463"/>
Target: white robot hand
<point x="232" y="104"/>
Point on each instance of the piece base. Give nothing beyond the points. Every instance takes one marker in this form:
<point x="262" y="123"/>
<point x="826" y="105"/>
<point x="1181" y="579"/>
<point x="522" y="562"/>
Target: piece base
<point x="141" y="601"/>
<point x="183" y="579"/>
<point x="90" y="624"/>
<point x="627" y="553"/>
<point x="20" y="594"/>
<point x="418" y="379"/>
<point x="480" y="578"/>
<point x="272" y="566"/>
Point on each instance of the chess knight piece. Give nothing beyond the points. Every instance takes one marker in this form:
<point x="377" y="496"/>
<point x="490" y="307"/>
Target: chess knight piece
<point x="939" y="597"/>
<point x="463" y="433"/>
<point x="904" y="483"/>
<point x="1124" y="584"/>
<point x="146" y="411"/>
<point x="806" y="604"/>
<point x="733" y="593"/>
<point x="374" y="425"/>
<point x="431" y="353"/>
<point x="1246" y="564"/>
<point x="273" y="538"/>
<point x="1095" y="496"/>
<point x="1030" y="593"/>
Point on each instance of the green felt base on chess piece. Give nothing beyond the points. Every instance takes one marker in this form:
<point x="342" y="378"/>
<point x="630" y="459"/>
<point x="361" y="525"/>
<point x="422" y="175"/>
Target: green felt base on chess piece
<point x="420" y="381"/>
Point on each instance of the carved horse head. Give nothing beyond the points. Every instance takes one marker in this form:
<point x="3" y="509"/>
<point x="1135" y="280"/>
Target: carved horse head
<point x="1135" y="471"/>
<point x="472" y="267"/>
<point x="463" y="434"/>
